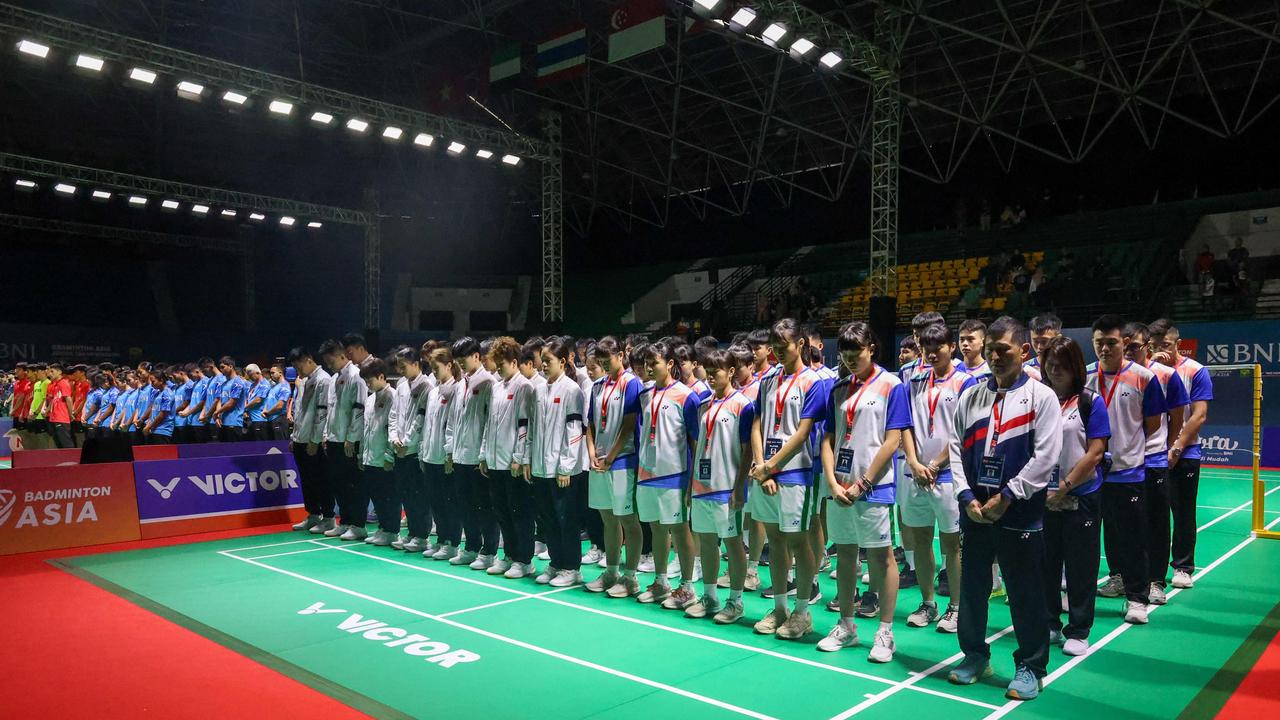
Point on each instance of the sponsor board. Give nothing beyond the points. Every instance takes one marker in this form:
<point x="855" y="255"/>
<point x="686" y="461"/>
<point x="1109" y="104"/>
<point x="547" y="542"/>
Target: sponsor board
<point x="48" y="508"/>
<point x="202" y="494"/>
<point x="23" y="459"/>
<point x="251" y="447"/>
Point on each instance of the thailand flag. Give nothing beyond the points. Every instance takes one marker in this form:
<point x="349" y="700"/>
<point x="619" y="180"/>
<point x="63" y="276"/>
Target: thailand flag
<point x="563" y="56"/>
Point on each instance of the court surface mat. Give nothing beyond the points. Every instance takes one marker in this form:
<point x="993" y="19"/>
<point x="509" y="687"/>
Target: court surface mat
<point x="395" y="635"/>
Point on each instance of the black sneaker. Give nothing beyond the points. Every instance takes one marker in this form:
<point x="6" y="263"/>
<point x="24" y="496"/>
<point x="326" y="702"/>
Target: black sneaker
<point x="834" y="605"/>
<point x="832" y="549"/>
<point x="766" y="591"/>
<point x="907" y="579"/>
<point x="899" y="555"/>
<point x="869" y="607"/>
<point x="944" y="587"/>
<point x="815" y="597"/>
<point x="764" y="556"/>
<point x="862" y="555"/>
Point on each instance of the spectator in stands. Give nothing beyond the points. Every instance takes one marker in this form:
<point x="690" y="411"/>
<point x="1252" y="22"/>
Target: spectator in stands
<point x="971" y="300"/>
<point x="1019" y="215"/>
<point x="1017" y="260"/>
<point x="1204" y="263"/>
<point x="1006" y="216"/>
<point x="984" y="217"/>
<point x="1238" y="255"/>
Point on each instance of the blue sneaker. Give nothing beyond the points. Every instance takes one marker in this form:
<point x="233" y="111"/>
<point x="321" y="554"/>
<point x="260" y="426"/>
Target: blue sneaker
<point x="970" y="670"/>
<point x="1025" y="685"/>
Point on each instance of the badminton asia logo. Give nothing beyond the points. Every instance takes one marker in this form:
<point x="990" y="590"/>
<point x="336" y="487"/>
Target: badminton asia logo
<point x="377" y="631"/>
<point x="68" y="506"/>
<point x="232" y="483"/>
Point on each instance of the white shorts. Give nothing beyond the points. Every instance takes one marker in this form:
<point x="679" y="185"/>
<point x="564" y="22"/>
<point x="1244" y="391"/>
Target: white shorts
<point x="865" y="524"/>
<point x="661" y="505"/>
<point x="922" y="507"/>
<point x="720" y="519"/>
<point x="613" y="490"/>
<point x="791" y="509"/>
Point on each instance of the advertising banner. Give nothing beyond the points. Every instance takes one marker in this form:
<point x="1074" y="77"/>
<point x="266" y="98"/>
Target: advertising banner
<point x="251" y="447"/>
<point x="216" y="493"/>
<point x="45" y="458"/>
<point x="6" y="442"/>
<point x="49" y="508"/>
<point x="155" y="452"/>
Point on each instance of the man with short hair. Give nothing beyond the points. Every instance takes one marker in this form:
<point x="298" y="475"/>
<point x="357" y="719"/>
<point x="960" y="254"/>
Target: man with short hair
<point x="194" y="412"/>
<point x="1044" y="328"/>
<point x="1184" y="450"/>
<point x="160" y="425"/>
<point x="212" y="398"/>
<point x="59" y="407"/>
<point x="311" y="417"/>
<point x="973" y="337"/>
<point x="256" y="403"/>
<point x="1135" y="407"/>
<point x="185" y="384"/>
<point x="231" y="400"/>
<point x="343" y="432"/>
<point x="1008" y="434"/>
<point x="277" y="404"/>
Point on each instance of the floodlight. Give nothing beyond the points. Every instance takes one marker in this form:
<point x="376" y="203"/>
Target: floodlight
<point x="64" y="189"/>
<point x="228" y="213"/>
<point x="456" y="148"/>
<point x="169" y="204"/>
<point x="26" y="185"/>
<point x="234" y="97"/>
<point x="774" y="33"/>
<point x="286" y="221"/>
<point x="424" y="139"/>
<point x="391" y="132"/>
<point x="315" y="225"/>
<point x="510" y="159"/>
<point x="357" y="124"/>
<point x="200" y="209"/>
<point x="142" y="75"/>
<point x="89" y="62"/>
<point x="484" y="154"/>
<point x="101" y="195"/>
<point x="137" y="200"/>
<point x="802" y="46"/>
<point x="257" y="216"/>
<point x="29" y="47"/>
<point x="742" y="19"/>
<point x="280" y="107"/>
<point x="321" y="118"/>
<point x="831" y="59"/>
<point x="190" y="90"/>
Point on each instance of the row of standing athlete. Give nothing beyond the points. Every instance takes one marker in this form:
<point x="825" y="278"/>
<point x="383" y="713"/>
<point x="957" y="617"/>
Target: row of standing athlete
<point x="499" y="439"/>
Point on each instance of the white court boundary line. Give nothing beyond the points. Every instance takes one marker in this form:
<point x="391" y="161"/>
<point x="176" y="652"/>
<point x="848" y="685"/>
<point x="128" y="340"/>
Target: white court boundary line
<point x="512" y="641"/>
<point x="915" y="678"/>
<point x="1010" y="705"/>
<point x="271" y="545"/>
<point x="291" y="552"/>
<point x="508" y="601"/>
<point x="678" y="631"/>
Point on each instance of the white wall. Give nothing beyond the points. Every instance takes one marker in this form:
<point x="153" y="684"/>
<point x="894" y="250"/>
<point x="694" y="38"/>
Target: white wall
<point x="687" y="287"/>
<point x="1259" y="228"/>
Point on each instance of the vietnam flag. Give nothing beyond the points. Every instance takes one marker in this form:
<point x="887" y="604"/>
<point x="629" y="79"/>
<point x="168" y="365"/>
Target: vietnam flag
<point x="636" y="26"/>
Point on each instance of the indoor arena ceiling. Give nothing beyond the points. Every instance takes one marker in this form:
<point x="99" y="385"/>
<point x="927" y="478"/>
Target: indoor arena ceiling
<point x="716" y="117"/>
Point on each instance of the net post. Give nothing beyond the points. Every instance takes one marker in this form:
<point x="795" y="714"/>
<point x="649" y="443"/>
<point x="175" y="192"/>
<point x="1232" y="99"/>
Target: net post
<point x="1259" y="492"/>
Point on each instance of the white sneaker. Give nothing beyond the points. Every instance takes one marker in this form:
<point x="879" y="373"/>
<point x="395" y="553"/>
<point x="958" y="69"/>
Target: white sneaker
<point x="545" y="577"/>
<point x="839" y="638"/>
<point x="354" y="532"/>
<point x="593" y="556"/>
<point x="540" y="551"/>
<point x="697" y="570"/>
<point x="429" y="548"/>
<point x="1135" y="613"/>
<point x="382" y="538"/>
<point x="565" y="578"/>
<point x="673" y="568"/>
<point x="518" y="570"/>
<point x="1181" y="578"/>
<point x="413" y="545"/>
<point x="336" y="530"/>
<point x="321" y="527"/>
<point x="398" y="541"/>
<point x="1075" y="647"/>
<point x="882" y="650"/>
<point x="832" y="575"/>
<point x="924" y="615"/>
<point x="646" y="564"/>
<point x="950" y="620"/>
<point x="307" y="522"/>
<point x="1156" y="595"/>
<point x="445" y="552"/>
<point x="482" y="562"/>
<point x="499" y="567"/>
<point x="603" y="561"/>
<point x="465" y="557"/>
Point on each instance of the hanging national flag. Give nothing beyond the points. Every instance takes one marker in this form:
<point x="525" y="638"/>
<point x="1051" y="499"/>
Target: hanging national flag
<point x="563" y="56"/>
<point x="636" y="26"/>
<point x="505" y="64"/>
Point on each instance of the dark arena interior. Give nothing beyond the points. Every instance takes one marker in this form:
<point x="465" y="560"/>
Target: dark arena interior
<point x="919" y="349"/>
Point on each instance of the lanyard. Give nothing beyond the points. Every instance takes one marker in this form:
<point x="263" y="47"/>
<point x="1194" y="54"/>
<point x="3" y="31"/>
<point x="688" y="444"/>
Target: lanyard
<point x="609" y="389"/>
<point x="655" y="407"/>
<point x="933" y="394"/>
<point x="997" y="409"/>
<point x="1102" y="384"/>
<point x="711" y="424"/>
<point x="780" y="399"/>
<point x="850" y="414"/>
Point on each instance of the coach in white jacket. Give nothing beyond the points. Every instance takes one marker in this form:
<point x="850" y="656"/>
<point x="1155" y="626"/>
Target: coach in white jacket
<point x="311" y="414"/>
